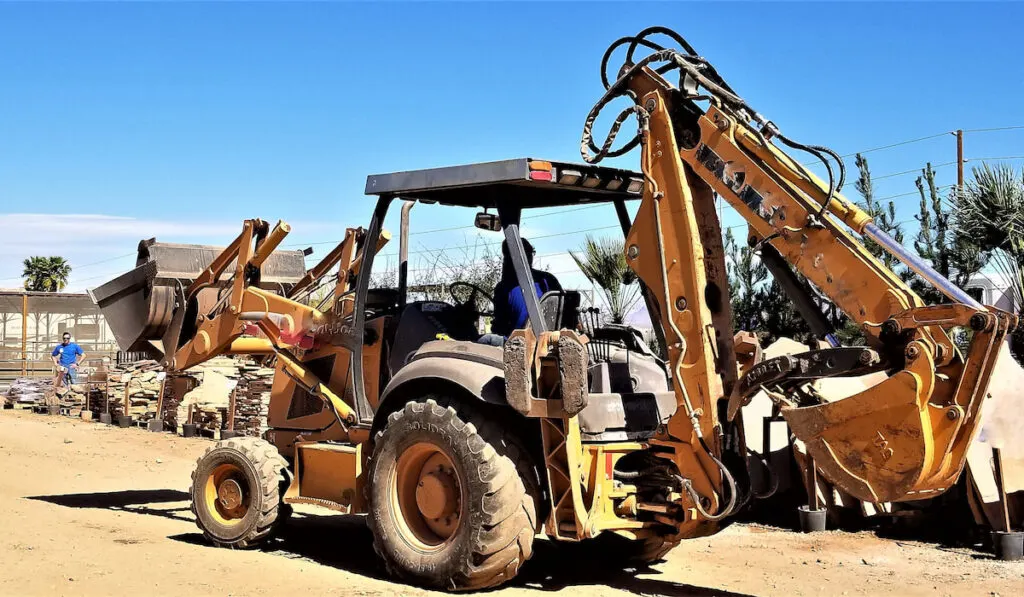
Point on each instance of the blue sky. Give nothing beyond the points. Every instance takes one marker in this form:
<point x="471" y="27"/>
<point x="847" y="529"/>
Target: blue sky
<point x="123" y="121"/>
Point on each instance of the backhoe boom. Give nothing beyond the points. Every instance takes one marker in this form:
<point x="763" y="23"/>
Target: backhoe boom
<point x="903" y="439"/>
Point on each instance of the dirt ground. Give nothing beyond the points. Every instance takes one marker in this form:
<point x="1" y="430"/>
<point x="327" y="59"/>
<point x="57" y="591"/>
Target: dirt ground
<point x="95" y="510"/>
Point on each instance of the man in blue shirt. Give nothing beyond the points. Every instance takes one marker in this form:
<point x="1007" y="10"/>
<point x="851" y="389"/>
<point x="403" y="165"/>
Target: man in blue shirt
<point x="66" y="357"/>
<point x="509" y="303"/>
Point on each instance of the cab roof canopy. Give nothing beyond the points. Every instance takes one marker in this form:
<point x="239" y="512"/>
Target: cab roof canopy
<point x="520" y="183"/>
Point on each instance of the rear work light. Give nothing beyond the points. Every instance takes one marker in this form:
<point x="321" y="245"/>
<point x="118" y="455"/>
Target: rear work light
<point x="569" y="177"/>
<point x="540" y="170"/>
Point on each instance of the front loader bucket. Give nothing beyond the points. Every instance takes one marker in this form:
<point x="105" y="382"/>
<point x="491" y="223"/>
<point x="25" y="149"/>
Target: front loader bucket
<point x="139" y="304"/>
<point x="905" y="438"/>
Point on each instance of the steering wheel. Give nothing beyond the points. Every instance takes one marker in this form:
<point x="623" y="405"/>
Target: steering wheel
<point x="474" y="292"/>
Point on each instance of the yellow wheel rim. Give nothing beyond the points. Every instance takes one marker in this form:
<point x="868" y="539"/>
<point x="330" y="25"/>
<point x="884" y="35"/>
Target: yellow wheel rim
<point x="427" y="495"/>
<point x="227" y="494"/>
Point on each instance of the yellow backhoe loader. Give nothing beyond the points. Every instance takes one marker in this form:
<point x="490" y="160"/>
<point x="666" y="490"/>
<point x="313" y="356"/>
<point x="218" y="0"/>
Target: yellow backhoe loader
<point x="460" y="452"/>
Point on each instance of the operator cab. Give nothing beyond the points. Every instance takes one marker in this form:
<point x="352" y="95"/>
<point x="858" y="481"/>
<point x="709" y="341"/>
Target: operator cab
<point x="626" y="379"/>
<point x="503" y="190"/>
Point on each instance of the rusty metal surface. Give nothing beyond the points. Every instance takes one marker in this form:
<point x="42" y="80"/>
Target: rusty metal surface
<point x="517" y="360"/>
<point x="184" y="262"/>
<point x="572" y="372"/>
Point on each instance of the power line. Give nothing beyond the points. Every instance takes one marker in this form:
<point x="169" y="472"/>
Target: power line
<point x="132" y="254"/>
<point x="1005" y="157"/>
<point x="929" y="137"/>
<point x="897" y="144"/>
<point x="586" y="207"/>
<point x="99" y="276"/>
<point x="498" y="243"/>
<point x="915" y="170"/>
<point x="997" y="128"/>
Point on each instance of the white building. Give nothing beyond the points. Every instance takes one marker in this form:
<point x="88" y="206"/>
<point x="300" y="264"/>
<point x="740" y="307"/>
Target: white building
<point x="993" y="288"/>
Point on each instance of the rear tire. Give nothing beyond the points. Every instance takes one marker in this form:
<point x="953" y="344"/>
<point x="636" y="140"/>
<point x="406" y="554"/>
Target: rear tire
<point x="237" y="487"/>
<point x="486" y="519"/>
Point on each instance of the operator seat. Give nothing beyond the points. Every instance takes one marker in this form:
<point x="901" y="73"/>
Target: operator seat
<point x="421" y="322"/>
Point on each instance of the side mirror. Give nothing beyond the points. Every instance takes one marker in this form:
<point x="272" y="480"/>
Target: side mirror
<point x="486" y="221"/>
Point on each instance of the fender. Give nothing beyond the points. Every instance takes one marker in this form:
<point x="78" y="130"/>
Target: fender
<point x="457" y="368"/>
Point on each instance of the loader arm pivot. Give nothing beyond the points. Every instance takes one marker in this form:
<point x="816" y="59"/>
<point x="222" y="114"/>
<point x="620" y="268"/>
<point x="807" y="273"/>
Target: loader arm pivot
<point x="903" y="439"/>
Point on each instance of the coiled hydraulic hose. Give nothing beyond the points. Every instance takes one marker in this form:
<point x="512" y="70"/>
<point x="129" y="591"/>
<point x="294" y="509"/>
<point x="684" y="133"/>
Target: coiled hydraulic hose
<point x="704" y="75"/>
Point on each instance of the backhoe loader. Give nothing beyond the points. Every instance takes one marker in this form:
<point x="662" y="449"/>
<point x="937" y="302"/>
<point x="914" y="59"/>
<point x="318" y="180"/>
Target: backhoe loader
<point x="461" y="452"/>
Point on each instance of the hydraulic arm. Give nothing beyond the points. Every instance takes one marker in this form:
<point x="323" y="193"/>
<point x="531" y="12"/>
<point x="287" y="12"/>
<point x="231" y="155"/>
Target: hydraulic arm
<point x="284" y="322"/>
<point x="905" y="438"/>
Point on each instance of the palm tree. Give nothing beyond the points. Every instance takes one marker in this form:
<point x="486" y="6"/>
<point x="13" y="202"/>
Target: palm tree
<point x="992" y="213"/>
<point x="46" y="274"/>
<point x="602" y="261"/>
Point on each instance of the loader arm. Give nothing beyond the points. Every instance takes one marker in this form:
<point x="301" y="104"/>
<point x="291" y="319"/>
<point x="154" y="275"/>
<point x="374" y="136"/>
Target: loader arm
<point x="903" y="439"/>
<point x="194" y="337"/>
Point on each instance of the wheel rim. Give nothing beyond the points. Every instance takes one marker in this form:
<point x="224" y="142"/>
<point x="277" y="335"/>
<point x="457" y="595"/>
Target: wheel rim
<point x="227" y="494"/>
<point x="427" y="496"/>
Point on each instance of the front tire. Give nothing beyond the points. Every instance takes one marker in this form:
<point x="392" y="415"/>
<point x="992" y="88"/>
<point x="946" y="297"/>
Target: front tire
<point x="237" y="487"/>
<point x="447" y="506"/>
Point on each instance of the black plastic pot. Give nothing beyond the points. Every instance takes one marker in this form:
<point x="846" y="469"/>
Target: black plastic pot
<point x="811" y="521"/>
<point x="228" y="434"/>
<point x="1008" y="546"/>
<point x="106" y="419"/>
<point x="189" y="430"/>
<point x="124" y="420"/>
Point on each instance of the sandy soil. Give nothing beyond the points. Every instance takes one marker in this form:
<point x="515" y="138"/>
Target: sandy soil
<point x="94" y="510"/>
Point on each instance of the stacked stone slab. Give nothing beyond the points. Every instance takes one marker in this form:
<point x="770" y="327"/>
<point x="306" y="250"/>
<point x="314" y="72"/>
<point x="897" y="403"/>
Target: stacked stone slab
<point x="208" y="399"/>
<point x="252" y="398"/>
<point x="28" y="391"/>
<point x="134" y="389"/>
<point x="178" y="384"/>
<point x="203" y="393"/>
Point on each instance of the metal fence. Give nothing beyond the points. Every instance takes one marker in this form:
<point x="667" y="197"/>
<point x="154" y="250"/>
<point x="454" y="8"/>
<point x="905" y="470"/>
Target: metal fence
<point x="32" y="323"/>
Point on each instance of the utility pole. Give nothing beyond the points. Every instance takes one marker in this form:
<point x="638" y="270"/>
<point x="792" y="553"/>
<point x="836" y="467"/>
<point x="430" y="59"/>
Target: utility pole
<point x="959" y="162"/>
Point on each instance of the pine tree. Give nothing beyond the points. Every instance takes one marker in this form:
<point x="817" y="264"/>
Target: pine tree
<point x="948" y="248"/>
<point x="884" y="217"/>
<point x="746" y="277"/>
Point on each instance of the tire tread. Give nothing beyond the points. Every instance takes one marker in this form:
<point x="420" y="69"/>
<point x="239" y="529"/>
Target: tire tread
<point x="269" y="466"/>
<point x="503" y="538"/>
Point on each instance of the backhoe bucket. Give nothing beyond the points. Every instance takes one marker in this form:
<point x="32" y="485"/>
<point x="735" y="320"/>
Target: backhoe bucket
<point x="905" y="438"/>
<point x="139" y="304"/>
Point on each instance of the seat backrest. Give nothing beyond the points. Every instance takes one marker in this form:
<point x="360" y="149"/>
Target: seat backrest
<point x="560" y="309"/>
<point x="421" y="322"/>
